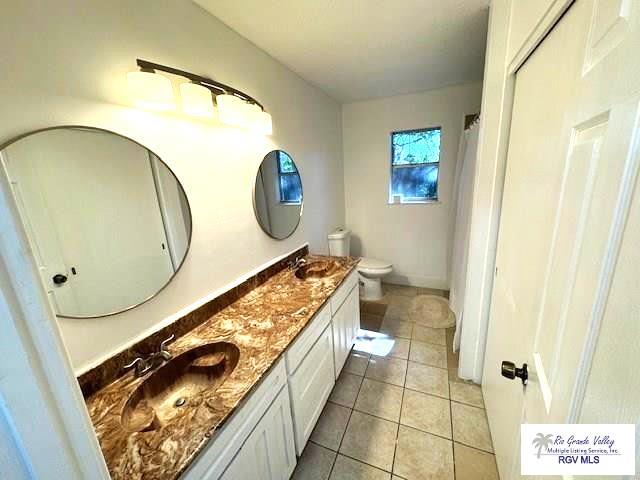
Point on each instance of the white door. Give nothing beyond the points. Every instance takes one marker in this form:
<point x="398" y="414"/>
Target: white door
<point x="570" y="171"/>
<point x="89" y="203"/>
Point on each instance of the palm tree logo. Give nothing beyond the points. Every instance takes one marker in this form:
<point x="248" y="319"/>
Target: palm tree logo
<point x="542" y="441"/>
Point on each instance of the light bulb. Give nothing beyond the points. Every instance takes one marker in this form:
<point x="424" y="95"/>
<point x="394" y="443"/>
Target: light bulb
<point x="231" y="110"/>
<point x="266" y="124"/>
<point x="252" y="118"/>
<point x="150" y="90"/>
<point x="196" y="100"/>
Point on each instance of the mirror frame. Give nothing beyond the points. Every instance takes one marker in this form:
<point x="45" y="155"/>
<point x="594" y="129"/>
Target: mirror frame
<point x="255" y="206"/>
<point x="104" y="130"/>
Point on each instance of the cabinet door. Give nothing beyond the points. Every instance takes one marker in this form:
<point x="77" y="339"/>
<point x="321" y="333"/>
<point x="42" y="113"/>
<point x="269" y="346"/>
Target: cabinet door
<point x="310" y="387"/>
<point x="346" y="323"/>
<point x="340" y="328"/>
<point x="269" y="451"/>
<point x="354" y="315"/>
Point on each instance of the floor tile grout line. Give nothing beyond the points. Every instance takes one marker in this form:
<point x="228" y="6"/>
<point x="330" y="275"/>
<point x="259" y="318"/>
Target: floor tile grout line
<point x="474" y="448"/>
<point x="395" y="446"/>
<point x="395" y="449"/>
<point x="466" y="404"/>
<point x="449" y="388"/>
<point x="427" y="393"/>
<point x="354" y="459"/>
<point x="350" y="413"/>
<point x="453" y="449"/>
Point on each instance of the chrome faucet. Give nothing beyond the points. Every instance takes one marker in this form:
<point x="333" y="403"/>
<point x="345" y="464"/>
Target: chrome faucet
<point x="297" y="263"/>
<point x="144" y="364"/>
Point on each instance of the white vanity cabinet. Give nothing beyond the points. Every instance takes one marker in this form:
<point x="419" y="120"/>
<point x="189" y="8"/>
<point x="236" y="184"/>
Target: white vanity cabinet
<point x="315" y="359"/>
<point x="268" y="453"/>
<point x="259" y="435"/>
<point x="310" y="386"/>
<point x="262" y="438"/>
<point x="345" y="323"/>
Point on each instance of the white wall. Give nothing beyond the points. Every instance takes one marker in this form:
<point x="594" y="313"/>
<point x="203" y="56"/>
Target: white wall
<point x="65" y="63"/>
<point x="415" y="238"/>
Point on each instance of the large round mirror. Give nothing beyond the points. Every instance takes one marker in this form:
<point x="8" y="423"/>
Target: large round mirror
<point x="108" y="221"/>
<point x="277" y="196"/>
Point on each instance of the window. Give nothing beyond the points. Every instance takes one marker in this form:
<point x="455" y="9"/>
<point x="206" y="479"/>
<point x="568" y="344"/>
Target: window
<point x="415" y="159"/>
<point x="290" y="184"/>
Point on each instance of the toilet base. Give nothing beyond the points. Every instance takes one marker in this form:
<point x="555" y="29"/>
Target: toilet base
<point x="370" y="288"/>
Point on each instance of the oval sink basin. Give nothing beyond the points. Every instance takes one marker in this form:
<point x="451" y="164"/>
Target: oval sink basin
<point x="317" y="269"/>
<point x="166" y="393"/>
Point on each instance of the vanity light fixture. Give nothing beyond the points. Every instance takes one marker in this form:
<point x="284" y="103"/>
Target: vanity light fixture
<point x="231" y="110"/>
<point x="235" y="108"/>
<point x="257" y="120"/>
<point x="196" y="100"/>
<point x="150" y="90"/>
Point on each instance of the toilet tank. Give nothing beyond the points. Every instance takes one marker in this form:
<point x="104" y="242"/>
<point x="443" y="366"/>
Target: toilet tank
<point x="339" y="242"/>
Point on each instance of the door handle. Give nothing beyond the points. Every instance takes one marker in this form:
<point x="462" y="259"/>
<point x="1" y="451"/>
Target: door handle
<point x="59" y="279"/>
<point x="510" y="371"/>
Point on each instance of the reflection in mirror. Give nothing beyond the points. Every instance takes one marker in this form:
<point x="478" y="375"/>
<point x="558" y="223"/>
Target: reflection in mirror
<point x="108" y="222"/>
<point x="277" y="196"/>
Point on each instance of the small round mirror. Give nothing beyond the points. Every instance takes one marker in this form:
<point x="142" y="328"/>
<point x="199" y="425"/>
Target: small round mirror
<point x="277" y="195"/>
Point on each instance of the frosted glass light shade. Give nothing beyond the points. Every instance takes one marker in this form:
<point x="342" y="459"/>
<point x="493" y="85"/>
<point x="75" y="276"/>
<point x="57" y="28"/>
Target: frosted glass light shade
<point x="196" y="100"/>
<point x="265" y="124"/>
<point x="231" y="110"/>
<point x="252" y="116"/>
<point x="150" y="90"/>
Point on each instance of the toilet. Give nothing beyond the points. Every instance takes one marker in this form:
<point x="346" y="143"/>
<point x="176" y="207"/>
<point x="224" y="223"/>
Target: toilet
<point x="370" y="270"/>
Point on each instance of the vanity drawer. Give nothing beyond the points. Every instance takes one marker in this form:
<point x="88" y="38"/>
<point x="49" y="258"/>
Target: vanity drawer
<point x="343" y="291"/>
<point x="301" y="346"/>
<point x="221" y="449"/>
<point x="310" y="387"/>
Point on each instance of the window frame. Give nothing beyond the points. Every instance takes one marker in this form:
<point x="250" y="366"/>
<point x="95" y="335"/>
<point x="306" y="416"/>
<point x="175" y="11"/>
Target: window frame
<point x="413" y="200"/>
<point x="280" y="174"/>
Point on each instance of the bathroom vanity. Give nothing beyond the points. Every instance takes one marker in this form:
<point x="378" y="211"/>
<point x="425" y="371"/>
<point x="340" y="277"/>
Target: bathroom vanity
<point x="232" y="389"/>
<point x="270" y="360"/>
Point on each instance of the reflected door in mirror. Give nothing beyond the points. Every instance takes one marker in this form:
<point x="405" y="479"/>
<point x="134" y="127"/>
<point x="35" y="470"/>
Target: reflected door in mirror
<point x="101" y="210"/>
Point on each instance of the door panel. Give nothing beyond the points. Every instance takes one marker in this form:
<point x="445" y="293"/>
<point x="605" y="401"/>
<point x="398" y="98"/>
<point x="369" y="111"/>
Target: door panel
<point x="268" y="453"/>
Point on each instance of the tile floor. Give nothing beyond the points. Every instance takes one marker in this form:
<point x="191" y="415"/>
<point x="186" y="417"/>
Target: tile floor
<point x="399" y="410"/>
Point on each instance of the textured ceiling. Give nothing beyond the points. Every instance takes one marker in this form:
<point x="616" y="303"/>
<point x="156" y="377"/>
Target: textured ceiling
<point x="358" y="49"/>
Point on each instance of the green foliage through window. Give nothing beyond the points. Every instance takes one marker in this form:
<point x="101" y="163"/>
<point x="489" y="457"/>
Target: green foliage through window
<point x="415" y="158"/>
<point x="290" y="184"/>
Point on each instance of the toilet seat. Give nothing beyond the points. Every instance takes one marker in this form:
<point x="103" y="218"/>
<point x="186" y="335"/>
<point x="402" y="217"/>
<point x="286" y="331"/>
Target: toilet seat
<point x="373" y="266"/>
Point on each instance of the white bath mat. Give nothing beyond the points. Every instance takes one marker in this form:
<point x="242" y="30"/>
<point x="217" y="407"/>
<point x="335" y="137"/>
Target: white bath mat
<point x="431" y="311"/>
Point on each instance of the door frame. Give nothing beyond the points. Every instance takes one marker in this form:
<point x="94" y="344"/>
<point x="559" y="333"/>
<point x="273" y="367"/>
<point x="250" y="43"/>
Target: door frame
<point x="38" y="386"/>
<point x="497" y="103"/>
<point x="493" y="140"/>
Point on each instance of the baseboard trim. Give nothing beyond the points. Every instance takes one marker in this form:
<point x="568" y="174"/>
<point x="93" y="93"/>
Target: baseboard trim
<point x="417" y="281"/>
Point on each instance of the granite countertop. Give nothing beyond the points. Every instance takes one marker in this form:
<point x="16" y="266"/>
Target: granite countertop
<point x="262" y="324"/>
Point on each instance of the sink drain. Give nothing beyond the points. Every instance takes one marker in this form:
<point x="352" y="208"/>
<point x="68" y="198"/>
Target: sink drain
<point x="180" y="402"/>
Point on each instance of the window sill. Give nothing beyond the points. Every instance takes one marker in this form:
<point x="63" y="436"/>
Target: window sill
<point x="416" y="202"/>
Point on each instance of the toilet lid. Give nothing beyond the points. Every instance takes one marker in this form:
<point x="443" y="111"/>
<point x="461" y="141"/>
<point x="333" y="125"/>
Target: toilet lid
<point x="373" y="264"/>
